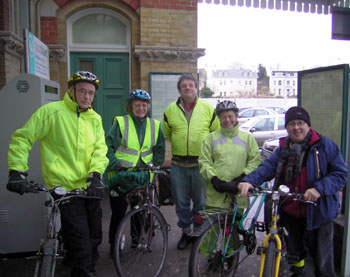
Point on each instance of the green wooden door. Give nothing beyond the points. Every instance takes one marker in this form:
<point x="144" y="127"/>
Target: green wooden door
<point x="113" y="72"/>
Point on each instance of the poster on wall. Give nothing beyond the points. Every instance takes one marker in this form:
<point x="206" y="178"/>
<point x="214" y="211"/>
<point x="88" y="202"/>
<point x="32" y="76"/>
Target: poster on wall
<point x="163" y="89"/>
<point x="323" y="92"/>
<point x="37" y="56"/>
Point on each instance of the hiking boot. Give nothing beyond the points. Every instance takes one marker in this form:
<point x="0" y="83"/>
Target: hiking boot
<point x="298" y="271"/>
<point x="184" y="241"/>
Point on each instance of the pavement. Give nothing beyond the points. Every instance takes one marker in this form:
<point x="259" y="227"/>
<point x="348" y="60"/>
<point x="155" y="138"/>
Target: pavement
<point x="176" y="263"/>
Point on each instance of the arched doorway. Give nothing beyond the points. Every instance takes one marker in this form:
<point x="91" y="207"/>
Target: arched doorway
<point x="98" y="40"/>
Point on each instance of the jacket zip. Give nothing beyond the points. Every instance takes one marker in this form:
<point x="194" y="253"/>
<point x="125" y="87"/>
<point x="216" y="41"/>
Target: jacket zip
<point x="317" y="163"/>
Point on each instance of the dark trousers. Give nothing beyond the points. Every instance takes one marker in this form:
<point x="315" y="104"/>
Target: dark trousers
<point x="319" y="242"/>
<point x="118" y="207"/>
<point x="81" y="221"/>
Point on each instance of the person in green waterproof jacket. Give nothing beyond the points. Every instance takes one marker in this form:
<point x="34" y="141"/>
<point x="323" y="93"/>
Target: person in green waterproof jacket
<point x="134" y="131"/>
<point x="226" y="156"/>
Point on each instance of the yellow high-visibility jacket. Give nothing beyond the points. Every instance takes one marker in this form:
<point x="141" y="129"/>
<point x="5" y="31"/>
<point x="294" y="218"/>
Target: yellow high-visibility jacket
<point x="186" y="138"/>
<point x="72" y="144"/>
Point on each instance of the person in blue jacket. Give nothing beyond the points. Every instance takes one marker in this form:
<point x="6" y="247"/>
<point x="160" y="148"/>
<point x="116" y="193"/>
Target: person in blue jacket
<point x="307" y="163"/>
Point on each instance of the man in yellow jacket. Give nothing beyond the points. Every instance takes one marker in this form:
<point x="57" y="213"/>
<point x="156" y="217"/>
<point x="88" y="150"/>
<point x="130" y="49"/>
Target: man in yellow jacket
<point x="73" y="155"/>
<point x="186" y="123"/>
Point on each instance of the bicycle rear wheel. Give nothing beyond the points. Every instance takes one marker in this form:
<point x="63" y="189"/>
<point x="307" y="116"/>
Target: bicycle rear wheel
<point x="270" y="260"/>
<point x="141" y="243"/>
<point x="208" y="256"/>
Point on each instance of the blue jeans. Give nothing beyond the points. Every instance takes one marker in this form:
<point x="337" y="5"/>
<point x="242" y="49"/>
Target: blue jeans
<point x="187" y="185"/>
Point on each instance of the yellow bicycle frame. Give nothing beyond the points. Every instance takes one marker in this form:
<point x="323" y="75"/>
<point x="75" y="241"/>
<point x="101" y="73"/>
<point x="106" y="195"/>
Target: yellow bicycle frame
<point x="278" y="247"/>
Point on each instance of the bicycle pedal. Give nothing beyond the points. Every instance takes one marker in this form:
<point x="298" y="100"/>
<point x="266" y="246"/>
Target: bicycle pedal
<point x="260" y="226"/>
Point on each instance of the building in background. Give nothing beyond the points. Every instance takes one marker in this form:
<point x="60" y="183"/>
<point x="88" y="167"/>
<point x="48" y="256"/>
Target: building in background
<point x="284" y="83"/>
<point x="234" y="82"/>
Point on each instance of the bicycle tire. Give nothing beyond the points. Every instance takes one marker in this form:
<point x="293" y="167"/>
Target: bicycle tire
<point x="46" y="260"/>
<point x="270" y="260"/>
<point x="137" y="244"/>
<point x="206" y="258"/>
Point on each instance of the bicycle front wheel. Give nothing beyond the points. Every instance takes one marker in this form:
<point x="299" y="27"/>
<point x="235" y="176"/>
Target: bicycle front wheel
<point x="213" y="253"/>
<point x="141" y="243"/>
<point x="45" y="262"/>
<point x="270" y="260"/>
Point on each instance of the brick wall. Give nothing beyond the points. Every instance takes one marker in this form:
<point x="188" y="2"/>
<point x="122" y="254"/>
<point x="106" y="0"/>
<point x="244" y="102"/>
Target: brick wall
<point x="4" y="15"/>
<point x="161" y="27"/>
<point x="170" y="4"/>
<point x="48" y="27"/>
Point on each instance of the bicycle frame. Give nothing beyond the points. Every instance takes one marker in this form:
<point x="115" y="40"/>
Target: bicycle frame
<point x="273" y="234"/>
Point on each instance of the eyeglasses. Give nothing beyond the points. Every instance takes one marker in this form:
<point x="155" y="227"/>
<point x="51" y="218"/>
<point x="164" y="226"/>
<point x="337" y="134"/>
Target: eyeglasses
<point x="296" y="124"/>
<point x="86" y="92"/>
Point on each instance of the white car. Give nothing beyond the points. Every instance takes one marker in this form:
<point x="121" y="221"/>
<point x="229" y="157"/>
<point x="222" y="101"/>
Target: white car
<point x="250" y="113"/>
<point x="265" y="127"/>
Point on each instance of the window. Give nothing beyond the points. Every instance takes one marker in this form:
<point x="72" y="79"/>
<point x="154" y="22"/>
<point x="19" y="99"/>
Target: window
<point x="266" y="124"/>
<point x="279" y="82"/>
<point x="247" y="114"/>
<point x="114" y="31"/>
<point x="281" y="123"/>
<point x="261" y="112"/>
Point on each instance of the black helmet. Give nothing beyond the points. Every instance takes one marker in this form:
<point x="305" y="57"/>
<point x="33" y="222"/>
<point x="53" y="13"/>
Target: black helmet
<point x="83" y="76"/>
<point x="139" y="94"/>
<point x="226" y="105"/>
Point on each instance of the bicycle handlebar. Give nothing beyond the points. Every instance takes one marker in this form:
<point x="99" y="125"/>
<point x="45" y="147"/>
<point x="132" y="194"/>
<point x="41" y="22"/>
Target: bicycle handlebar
<point x="149" y="168"/>
<point x="59" y="191"/>
<point x="281" y="192"/>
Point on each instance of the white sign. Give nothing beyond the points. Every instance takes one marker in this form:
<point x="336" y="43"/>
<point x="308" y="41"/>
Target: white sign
<point x="37" y="56"/>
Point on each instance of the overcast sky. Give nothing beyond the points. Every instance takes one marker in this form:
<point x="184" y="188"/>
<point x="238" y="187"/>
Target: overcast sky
<point x="277" y="39"/>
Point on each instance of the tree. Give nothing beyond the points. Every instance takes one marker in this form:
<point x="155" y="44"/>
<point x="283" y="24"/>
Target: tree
<point x="262" y="72"/>
<point x="206" y="92"/>
<point x="263" y="81"/>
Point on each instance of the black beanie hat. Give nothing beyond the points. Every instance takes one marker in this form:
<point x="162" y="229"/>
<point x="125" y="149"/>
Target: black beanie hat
<point x="297" y="113"/>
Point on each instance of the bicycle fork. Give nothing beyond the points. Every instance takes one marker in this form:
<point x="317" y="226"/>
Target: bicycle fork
<point x="272" y="236"/>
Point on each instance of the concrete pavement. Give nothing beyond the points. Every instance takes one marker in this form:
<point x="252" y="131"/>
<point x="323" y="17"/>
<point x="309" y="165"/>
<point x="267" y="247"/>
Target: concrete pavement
<point x="176" y="263"/>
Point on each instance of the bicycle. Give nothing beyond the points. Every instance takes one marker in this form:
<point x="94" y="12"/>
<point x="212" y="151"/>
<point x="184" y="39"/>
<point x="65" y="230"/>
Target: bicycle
<point x="225" y="234"/>
<point x="51" y="247"/>
<point x="142" y="235"/>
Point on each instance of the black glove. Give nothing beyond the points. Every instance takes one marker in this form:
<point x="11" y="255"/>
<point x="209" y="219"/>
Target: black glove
<point x="95" y="186"/>
<point x="18" y="182"/>
<point x="217" y="183"/>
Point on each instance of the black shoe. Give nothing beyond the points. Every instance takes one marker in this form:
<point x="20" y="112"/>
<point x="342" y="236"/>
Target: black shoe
<point x="184" y="241"/>
<point x="298" y="271"/>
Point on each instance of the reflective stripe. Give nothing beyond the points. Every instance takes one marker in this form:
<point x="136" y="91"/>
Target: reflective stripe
<point x="219" y="141"/>
<point x="126" y="131"/>
<point x="126" y="163"/>
<point x="144" y="154"/>
<point x="223" y="140"/>
<point x="237" y="140"/>
<point x="153" y="130"/>
<point x="127" y="151"/>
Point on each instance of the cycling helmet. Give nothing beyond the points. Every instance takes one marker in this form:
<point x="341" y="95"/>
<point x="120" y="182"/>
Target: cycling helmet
<point x="83" y="76"/>
<point x="226" y="105"/>
<point x="139" y="94"/>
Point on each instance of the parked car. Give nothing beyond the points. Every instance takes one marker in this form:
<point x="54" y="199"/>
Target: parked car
<point x="269" y="146"/>
<point x="250" y="113"/>
<point x="265" y="127"/>
<point x="279" y="110"/>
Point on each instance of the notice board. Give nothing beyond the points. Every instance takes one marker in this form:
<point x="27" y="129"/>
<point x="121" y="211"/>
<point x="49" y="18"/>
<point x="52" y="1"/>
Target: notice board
<point x="163" y="88"/>
<point x="323" y="92"/>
